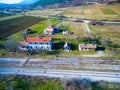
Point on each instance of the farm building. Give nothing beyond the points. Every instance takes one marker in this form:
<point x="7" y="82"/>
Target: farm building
<point x="86" y="47"/>
<point x="66" y="46"/>
<point x="36" y="43"/>
<point x="50" y="30"/>
<point x="29" y="31"/>
<point x="65" y="32"/>
<point x="23" y="45"/>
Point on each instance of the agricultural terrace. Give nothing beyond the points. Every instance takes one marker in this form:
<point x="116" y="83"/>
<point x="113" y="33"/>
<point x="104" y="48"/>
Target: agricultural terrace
<point x="11" y="26"/>
<point x="109" y="34"/>
<point x="99" y="12"/>
<point x="10" y="17"/>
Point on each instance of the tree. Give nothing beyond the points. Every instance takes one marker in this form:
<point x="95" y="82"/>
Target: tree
<point x="10" y="44"/>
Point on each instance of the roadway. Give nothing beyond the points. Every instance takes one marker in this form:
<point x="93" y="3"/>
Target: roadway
<point x="91" y="75"/>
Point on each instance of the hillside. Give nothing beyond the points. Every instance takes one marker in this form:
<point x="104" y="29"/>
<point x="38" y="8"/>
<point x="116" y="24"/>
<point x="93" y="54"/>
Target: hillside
<point x="71" y="2"/>
<point x="28" y="1"/>
<point x="47" y="2"/>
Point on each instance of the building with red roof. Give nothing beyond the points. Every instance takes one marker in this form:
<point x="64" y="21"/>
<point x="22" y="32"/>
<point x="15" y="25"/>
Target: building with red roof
<point x="36" y="43"/>
<point x="50" y="30"/>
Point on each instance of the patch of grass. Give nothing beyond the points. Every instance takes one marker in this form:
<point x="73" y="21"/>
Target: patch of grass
<point x="86" y="7"/>
<point x="109" y="34"/>
<point x="108" y="11"/>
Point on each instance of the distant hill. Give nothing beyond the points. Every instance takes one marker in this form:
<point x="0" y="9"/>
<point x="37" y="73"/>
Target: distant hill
<point x="28" y="1"/>
<point x="72" y="2"/>
<point x="47" y="2"/>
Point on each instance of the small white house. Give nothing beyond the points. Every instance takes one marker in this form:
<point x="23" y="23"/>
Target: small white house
<point x="66" y="46"/>
<point x="50" y="30"/>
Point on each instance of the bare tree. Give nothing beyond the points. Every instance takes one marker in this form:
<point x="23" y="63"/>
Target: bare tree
<point x="10" y="44"/>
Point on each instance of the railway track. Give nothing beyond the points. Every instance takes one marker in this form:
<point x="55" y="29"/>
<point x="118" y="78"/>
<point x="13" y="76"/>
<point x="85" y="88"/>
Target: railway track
<point x="92" y="75"/>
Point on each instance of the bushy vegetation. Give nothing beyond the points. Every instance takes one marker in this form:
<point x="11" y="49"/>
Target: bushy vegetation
<point x="29" y="83"/>
<point x="44" y="83"/>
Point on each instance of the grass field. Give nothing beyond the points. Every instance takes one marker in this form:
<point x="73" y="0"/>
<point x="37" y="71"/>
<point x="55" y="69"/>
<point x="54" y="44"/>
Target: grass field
<point x="43" y="13"/>
<point x="10" y="17"/>
<point x="11" y="26"/>
<point x="107" y="11"/>
<point x="39" y="27"/>
<point x="100" y="12"/>
<point x="111" y="32"/>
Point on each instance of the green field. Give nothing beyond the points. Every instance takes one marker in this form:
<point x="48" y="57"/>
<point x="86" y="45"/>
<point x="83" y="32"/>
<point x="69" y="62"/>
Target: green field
<point x="99" y="12"/>
<point x="107" y="11"/>
<point x="11" y="26"/>
<point x="39" y="27"/>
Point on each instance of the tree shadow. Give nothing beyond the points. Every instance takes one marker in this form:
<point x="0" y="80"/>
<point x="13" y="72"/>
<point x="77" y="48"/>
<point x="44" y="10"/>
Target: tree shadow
<point x="2" y="46"/>
<point x="99" y="48"/>
<point x="73" y="47"/>
<point x="53" y="52"/>
<point x="3" y="39"/>
<point x="58" y="44"/>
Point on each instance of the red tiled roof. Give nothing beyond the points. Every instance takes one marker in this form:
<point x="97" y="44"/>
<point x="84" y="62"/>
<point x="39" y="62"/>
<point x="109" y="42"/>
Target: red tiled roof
<point x="51" y="27"/>
<point x="23" y="43"/>
<point x="49" y="31"/>
<point x="38" y="39"/>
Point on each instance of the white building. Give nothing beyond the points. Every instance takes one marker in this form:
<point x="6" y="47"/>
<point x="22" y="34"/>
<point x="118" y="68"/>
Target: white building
<point x="37" y="43"/>
<point x="50" y="30"/>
